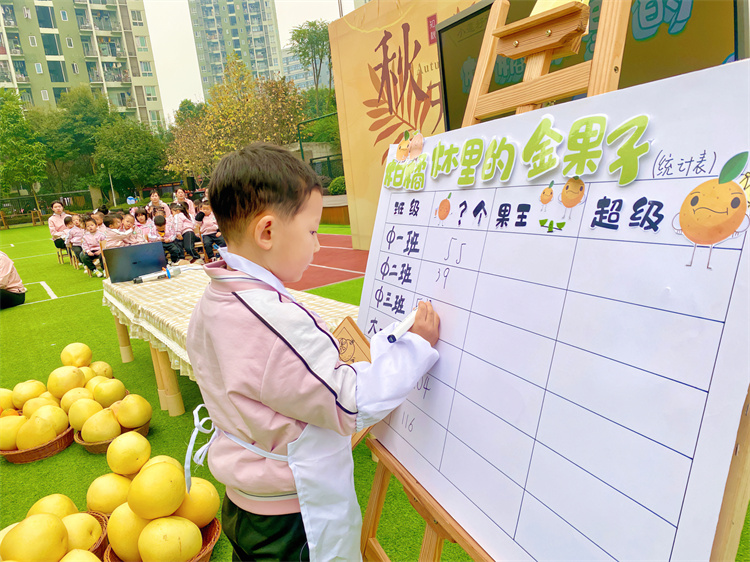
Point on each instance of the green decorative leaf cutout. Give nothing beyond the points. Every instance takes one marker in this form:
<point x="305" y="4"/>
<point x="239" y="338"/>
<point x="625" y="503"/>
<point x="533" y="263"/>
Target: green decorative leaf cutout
<point x="733" y="167"/>
<point x="449" y="196"/>
<point x="551" y="183"/>
<point x="406" y="135"/>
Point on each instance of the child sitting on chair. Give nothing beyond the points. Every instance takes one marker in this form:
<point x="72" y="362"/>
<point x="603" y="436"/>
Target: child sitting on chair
<point x="208" y="228"/>
<point x="142" y="222"/>
<point x="133" y="235"/>
<point x="90" y="249"/>
<point x="164" y="233"/>
<point x="75" y="236"/>
<point x="284" y="406"/>
<point x="183" y="229"/>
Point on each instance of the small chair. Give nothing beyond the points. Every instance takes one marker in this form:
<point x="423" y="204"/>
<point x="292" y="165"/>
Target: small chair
<point x="62" y="253"/>
<point x="103" y="246"/>
<point x="74" y="261"/>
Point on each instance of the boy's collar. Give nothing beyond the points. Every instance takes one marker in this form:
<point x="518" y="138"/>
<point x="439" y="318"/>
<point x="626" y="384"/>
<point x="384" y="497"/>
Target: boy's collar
<point x="254" y="270"/>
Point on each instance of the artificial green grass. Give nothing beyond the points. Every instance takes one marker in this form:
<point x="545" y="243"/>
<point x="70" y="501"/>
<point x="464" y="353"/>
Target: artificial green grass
<point x="335" y="229"/>
<point x="346" y="291"/>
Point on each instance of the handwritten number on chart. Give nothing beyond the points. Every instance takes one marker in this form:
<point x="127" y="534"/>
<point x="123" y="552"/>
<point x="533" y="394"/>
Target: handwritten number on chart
<point x="445" y="273"/>
<point x="407" y="421"/>
<point x="424" y="385"/>
<point x="460" y="250"/>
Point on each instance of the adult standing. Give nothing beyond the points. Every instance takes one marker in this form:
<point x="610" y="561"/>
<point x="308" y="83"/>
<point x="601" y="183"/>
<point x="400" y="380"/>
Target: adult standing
<point x="12" y="291"/>
<point x="56" y="224"/>
<point x="181" y="197"/>
<point x="155" y="203"/>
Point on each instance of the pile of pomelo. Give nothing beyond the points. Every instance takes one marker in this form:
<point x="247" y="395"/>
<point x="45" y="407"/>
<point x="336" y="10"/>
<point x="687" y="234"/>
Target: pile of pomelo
<point x="52" y="530"/>
<point x="152" y="517"/>
<point x="80" y="394"/>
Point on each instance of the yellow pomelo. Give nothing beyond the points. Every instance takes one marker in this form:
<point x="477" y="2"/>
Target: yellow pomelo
<point x="72" y="395"/>
<point x="54" y="504"/>
<point x="102" y="426"/>
<point x="80" y="555"/>
<point x="54" y="415"/>
<point x="157" y="491"/>
<point x="9" y="427"/>
<point x="107" y="492"/>
<point x="134" y="411"/>
<point x="49" y="396"/>
<point x="200" y="504"/>
<point x="38" y="538"/>
<point x="62" y="379"/>
<point x="33" y="404"/>
<point x="102" y="369"/>
<point x="5" y="532"/>
<point x="6" y="398"/>
<point x="163" y="458"/>
<point x="93" y="381"/>
<point x="123" y="529"/>
<point x="10" y="412"/>
<point x="109" y="391"/>
<point x="83" y="530"/>
<point x="88" y="374"/>
<point x="81" y="410"/>
<point x="170" y="539"/>
<point x="76" y="354"/>
<point x="35" y="432"/>
<point x="128" y="453"/>
<point x="24" y="391"/>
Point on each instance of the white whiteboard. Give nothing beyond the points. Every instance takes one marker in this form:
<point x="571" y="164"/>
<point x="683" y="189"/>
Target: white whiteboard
<point x="589" y="387"/>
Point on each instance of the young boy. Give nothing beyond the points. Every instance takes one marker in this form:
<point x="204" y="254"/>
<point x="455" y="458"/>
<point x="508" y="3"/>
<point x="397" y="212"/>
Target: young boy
<point x="90" y="246"/>
<point x="269" y="371"/>
<point x="164" y="233"/>
<point x="208" y="229"/>
<point x="75" y="236"/>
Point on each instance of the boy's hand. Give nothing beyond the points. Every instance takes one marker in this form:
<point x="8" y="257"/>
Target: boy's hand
<point x="427" y="323"/>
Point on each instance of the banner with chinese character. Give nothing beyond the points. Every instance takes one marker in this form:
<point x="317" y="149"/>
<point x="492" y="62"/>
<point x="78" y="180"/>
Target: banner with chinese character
<point x="589" y="263"/>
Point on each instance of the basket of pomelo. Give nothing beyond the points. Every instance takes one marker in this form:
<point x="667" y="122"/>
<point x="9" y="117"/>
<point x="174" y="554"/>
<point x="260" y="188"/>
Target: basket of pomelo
<point x="54" y="529"/>
<point x="152" y="514"/>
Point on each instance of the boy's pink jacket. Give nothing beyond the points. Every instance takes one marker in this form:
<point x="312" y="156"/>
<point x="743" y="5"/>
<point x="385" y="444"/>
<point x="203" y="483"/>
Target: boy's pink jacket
<point x="90" y="242"/>
<point x="267" y="367"/>
<point x="182" y="224"/>
<point x="75" y="235"/>
<point x="209" y="225"/>
<point x="153" y="234"/>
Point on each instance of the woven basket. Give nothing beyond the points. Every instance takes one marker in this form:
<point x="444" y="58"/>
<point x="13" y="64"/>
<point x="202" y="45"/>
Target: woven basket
<point x="210" y="532"/>
<point x="100" y="447"/>
<point x="48" y="449"/>
<point x="101" y="545"/>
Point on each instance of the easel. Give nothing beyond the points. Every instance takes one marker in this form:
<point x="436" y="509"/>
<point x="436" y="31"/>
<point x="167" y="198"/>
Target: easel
<point x="540" y="38"/>
<point x="36" y="216"/>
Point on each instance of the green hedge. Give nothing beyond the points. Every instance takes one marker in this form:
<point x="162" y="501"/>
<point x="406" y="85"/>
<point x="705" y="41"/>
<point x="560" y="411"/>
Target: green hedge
<point x="337" y="186"/>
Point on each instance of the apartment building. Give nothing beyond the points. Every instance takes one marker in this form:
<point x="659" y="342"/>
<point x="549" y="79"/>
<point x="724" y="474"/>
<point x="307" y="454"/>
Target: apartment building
<point x="50" y="46"/>
<point x="292" y="69"/>
<point x="247" y="28"/>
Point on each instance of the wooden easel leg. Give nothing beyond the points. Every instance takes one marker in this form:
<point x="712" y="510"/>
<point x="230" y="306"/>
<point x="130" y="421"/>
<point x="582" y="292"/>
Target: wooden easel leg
<point x="173" y="397"/>
<point x="159" y="382"/>
<point x="432" y="546"/>
<point x="371" y="550"/>
<point x="536" y="65"/>
<point x="126" y="351"/>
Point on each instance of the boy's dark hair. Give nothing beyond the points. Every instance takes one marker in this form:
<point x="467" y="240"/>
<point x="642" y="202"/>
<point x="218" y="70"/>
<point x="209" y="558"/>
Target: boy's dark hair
<point x="68" y="220"/>
<point x="103" y="210"/>
<point x="257" y="178"/>
<point x="159" y="220"/>
<point x="56" y="202"/>
<point x="87" y="219"/>
<point x="110" y="220"/>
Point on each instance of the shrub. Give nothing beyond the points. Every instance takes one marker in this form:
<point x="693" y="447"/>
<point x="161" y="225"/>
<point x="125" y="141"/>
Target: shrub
<point x="337" y="186"/>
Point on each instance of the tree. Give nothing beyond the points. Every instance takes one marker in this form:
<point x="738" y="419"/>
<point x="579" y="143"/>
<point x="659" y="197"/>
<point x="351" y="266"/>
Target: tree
<point x="310" y="43"/>
<point x="21" y="158"/>
<point x="190" y="152"/>
<point x="188" y="109"/>
<point x="84" y="114"/>
<point x="130" y="151"/>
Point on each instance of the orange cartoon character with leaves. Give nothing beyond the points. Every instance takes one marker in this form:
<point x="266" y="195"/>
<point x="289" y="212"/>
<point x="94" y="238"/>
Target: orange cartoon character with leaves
<point x="410" y="147"/>
<point x="716" y="210"/>
<point x="444" y="209"/>
<point x="572" y="194"/>
<point x="546" y="196"/>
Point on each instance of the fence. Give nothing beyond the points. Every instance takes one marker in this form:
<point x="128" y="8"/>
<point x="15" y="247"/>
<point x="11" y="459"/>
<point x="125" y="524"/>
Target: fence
<point x="17" y="209"/>
<point x="331" y="166"/>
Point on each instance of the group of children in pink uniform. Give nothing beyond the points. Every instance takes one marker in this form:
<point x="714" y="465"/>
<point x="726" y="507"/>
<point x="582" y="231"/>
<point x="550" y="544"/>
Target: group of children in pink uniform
<point x="172" y="225"/>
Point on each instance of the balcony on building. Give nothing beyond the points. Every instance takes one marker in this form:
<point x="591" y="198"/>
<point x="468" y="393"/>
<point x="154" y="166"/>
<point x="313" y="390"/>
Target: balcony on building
<point x="84" y="24"/>
<point x="5" y="75"/>
<point x="45" y="15"/>
<point x="9" y="15"/>
<point x="95" y="77"/>
<point x="14" y="45"/>
<point x="88" y="50"/>
<point x="122" y="101"/>
<point x="80" y="1"/>
<point x="104" y="21"/>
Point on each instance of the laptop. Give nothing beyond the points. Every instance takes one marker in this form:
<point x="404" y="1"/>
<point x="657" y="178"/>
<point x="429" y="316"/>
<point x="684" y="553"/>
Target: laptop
<point x="128" y="262"/>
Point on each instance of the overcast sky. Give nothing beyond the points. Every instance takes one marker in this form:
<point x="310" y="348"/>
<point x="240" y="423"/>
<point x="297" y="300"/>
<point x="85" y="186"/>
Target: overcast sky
<point x="174" y="49"/>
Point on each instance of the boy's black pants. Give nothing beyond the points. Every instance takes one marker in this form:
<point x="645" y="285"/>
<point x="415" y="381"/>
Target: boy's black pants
<point x="264" y="537"/>
<point x="208" y="243"/>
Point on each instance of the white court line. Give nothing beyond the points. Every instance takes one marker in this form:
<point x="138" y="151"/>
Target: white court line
<point x="63" y="297"/>
<point x="25" y="242"/>
<point x="37" y="256"/>
<point x="12" y="245"/>
<point x="337" y="269"/>
<point x="51" y="294"/>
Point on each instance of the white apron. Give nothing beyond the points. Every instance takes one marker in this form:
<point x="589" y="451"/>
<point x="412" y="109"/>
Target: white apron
<point x="323" y="469"/>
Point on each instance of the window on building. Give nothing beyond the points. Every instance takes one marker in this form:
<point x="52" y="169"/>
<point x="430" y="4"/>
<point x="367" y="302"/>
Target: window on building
<point x="232" y="20"/>
<point x="201" y="57"/>
<point x="75" y="67"/>
<point x="38" y="67"/>
<point x="198" y="34"/>
<point x="63" y="15"/>
<point x="235" y="33"/>
<point x="141" y="44"/>
<point x="137" y="17"/>
<point x="146" y="68"/>
<point x="27" y="13"/>
<point x="32" y="40"/>
<point x="203" y="69"/>
<point x="205" y="79"/>
<point x="45" y="95"/>
<point x="155" y="116"/>
<point x="151" y="93"/>
<point x="69" y="42"/>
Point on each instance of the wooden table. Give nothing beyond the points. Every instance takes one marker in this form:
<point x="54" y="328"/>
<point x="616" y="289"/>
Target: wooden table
<point x="159" y="312"/>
